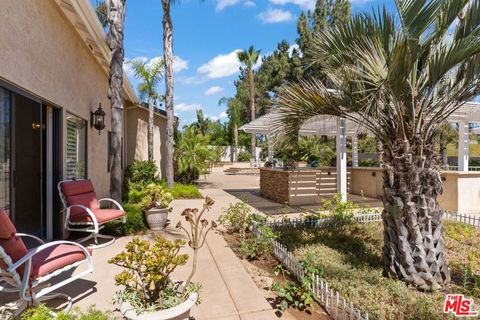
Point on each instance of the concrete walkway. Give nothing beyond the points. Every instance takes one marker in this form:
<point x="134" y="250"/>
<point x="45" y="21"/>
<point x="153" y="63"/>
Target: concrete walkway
<point x="228" y="290"/>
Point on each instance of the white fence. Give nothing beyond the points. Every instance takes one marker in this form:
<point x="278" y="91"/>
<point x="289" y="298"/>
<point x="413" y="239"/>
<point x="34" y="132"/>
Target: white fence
<point x="472" y="220"/>
<point x="336" y="306"/>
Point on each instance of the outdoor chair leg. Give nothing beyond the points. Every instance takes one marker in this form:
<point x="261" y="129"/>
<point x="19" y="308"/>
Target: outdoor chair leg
<point x="95" y="237"/>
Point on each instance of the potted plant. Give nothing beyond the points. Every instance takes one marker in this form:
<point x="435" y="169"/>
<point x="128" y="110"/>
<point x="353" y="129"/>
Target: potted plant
<point x="155" y="203"/>
<point x="149" y="292"/>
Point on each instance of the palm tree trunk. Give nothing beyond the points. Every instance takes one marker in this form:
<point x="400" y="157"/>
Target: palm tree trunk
<point x="251" y="90"/>
<point x="150" y="129"/>
<point x="235" y="141"/>
<point x="168" y="57"/>
<point x="413" y="231"/>
<point x="116" y="19"/>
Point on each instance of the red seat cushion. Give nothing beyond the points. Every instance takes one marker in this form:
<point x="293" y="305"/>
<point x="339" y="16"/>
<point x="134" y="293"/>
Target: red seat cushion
<point x="102" y="215"/>
<point x="12" y="245"/>
<point x="55" y="258"/>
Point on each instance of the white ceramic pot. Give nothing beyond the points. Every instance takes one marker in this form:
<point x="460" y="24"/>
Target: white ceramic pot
<point x="157" y="218"/>
<point x="180" y="312"/>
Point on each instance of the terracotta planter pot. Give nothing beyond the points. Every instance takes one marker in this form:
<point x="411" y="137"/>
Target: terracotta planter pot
<point x="180" y="312"/>
<point x="157" y="218"/>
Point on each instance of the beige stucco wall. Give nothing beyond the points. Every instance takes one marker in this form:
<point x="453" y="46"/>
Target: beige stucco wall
<point x="137" y="140"/>
<point x="461" y="190"/>
<point x="366" y="181"/>
<point x="41" y="52"/>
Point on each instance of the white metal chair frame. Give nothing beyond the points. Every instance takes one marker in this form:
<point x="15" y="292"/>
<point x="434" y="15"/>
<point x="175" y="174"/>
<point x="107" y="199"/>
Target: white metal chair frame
<point x="93" y="227"/>
<point x="30" y="292"/>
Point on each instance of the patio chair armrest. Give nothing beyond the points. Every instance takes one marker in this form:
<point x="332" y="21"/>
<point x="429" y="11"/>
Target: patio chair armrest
<point x="115" y="202"/>
<point x="25" y="235"/>
<point x="87" y="210"/>
<point x="33" y="252"/>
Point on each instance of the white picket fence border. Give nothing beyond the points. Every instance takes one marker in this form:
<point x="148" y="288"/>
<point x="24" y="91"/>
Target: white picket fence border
<point x="336" y="306"/>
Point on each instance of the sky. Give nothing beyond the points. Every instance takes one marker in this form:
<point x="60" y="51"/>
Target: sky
<point x="206" y="36"/>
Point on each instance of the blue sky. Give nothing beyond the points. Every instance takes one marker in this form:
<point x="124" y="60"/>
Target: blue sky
<point x="206" y="35"/>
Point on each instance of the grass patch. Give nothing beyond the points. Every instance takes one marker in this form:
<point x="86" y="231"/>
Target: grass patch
<point x="182" y="191"/>
<point x="350" y="258"/>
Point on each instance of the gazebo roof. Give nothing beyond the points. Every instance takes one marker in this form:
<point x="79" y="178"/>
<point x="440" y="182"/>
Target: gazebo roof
<point x="269" y="124"/>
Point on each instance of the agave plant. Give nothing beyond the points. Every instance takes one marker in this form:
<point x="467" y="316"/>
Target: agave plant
<point x="400" y="75"/>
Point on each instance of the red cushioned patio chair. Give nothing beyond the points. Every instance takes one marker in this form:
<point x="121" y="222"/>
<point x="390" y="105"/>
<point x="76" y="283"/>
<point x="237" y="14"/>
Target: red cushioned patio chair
<point x="26" y="272"/>
<point x="84" y="212"/>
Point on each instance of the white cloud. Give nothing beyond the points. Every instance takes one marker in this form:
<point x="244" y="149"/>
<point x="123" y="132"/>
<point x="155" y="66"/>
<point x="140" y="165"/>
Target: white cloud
<point x="294" y="47"/>
<point x="213" y="90"/>
<point x="223" y="65"/>
<point x="183" y="107"/>
<point x="304" y="4"/>
<point x="179" y="64"/>
<point x="276" y="16"/>
<point x="128" y="68"/>
<point x="222" y="115"/>
<point x="222" y="4"/>
<point x="249" y="4"/>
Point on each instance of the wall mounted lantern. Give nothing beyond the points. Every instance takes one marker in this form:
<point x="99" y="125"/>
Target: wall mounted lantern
<point x="97" y="119"/>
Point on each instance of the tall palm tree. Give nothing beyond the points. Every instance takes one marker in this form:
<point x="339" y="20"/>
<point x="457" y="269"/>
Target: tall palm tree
<point x="249" y="58"/>
<point x="150" y="75"/>
<point x="400" y="79"/>
<point x="168" y="58"/>
<point x="116" y="22"/>
<point x="234" y="111"/>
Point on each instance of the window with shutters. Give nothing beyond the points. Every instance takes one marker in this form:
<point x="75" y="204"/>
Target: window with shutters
<point x="76" y="148"/>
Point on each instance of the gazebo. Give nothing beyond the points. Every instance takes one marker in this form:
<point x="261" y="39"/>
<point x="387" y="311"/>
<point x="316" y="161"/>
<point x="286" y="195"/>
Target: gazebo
<point x="269" y="126"/>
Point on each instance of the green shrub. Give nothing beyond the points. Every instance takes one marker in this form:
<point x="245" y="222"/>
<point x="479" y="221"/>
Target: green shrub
<point x="243" y="156"/>
<point x="143" y="172"/>
<point x="367" y="163"/>
<point x="145" y="280"/>
<point x="182" y="191"/>
<point x="44" y="313"/>
<point x="135" y="222"/>
<point x="290" y="293"/>
<point x="253" y="247"/>
<point x="236" y="218"/>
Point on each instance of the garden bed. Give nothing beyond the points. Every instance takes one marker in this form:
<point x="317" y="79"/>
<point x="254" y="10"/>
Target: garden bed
<point x="349" y="258"/>
<point x="261" y="271"/>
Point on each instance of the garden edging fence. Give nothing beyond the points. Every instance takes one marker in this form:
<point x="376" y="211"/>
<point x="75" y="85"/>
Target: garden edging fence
<point x="336" y="306"/>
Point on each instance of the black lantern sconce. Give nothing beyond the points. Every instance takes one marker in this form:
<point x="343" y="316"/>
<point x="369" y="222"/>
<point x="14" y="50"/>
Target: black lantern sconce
<point x="97" y="119"/>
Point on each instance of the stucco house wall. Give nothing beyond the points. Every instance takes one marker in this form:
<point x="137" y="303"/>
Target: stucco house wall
<point x="43" y="54"/>
<point x="136" y="133"/>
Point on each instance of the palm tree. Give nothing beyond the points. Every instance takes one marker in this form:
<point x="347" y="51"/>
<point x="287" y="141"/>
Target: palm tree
<point x="192" y="155"/>
<point x="234" y="111"/>
<point x="401" y="80"/>
<point x="102" y="11"/>
<point x="202" y="123"/>
<point x="150" y="75"/>
<point x="249" y="58"/>
<point x="116" y="22"/>
<point x="168" y="58"/>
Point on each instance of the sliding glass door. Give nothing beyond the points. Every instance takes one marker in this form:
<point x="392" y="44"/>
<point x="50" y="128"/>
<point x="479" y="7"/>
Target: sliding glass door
<point x="5" y="147"/>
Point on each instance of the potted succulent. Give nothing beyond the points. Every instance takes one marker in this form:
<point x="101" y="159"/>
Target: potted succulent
<point x="149" y="292"/>
<point x="155" y="203"/>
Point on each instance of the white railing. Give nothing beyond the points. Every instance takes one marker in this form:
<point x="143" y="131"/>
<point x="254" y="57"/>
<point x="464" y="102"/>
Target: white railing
<point x="336" y="306"/>
<point x="464" y="218"/>
<point x="321" y="222"/>
<point x="455" y="168"/>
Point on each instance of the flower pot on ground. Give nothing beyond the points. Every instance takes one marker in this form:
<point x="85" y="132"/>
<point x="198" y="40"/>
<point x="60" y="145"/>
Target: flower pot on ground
<point x="155" y="203"/>
<point x="148" y="291"/>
